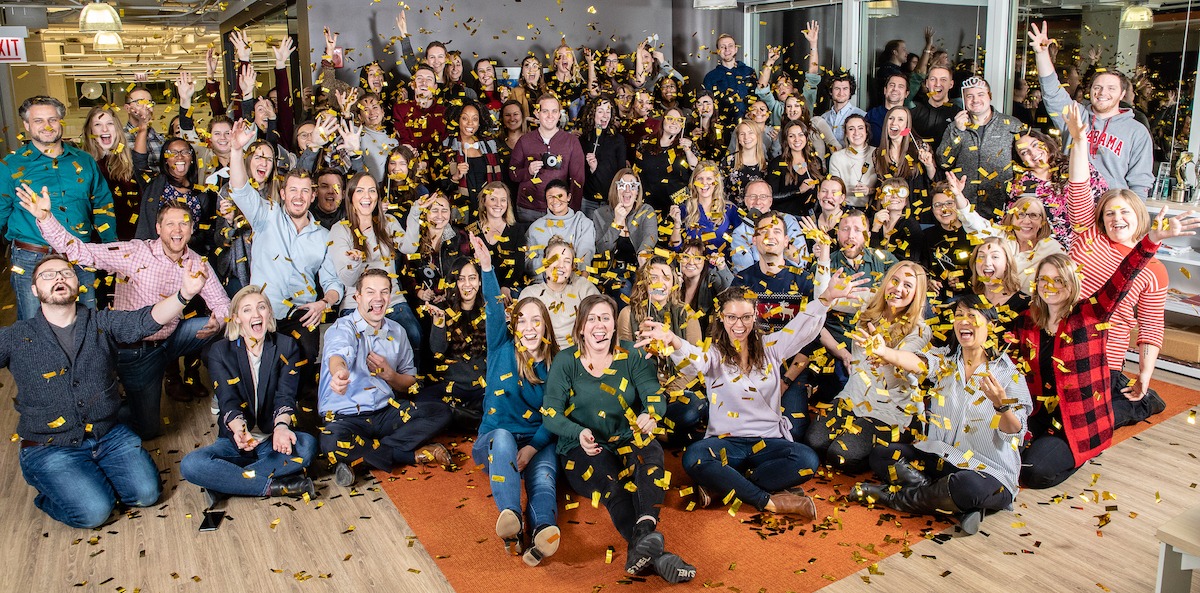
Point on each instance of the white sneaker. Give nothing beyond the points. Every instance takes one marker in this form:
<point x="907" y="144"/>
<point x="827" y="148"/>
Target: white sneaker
<point x="213" y="407"/>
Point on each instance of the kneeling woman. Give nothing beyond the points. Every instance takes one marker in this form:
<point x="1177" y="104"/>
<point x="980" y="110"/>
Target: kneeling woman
<point x="970" y="459"/>
<point x="602" y="401"/>
<point x="877" y="403"/>
<point x="513" y="442"/>
<point x="256" y="453"/>
<point x="1061" y="343"/>
<point x="748" y="449"/>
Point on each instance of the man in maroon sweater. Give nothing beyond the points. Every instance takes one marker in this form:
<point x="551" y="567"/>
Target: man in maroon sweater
<point x="421" y="123"/>
<point x="543" y="156"/>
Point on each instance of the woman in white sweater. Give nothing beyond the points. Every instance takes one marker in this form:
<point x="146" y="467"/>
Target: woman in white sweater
<point x="855" y="164"/>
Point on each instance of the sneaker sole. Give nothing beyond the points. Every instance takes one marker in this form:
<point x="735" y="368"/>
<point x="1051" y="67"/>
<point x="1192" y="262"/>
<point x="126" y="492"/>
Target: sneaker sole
<point x="673" y="569"/>
<point x="970" y="522"/>
<point x="545" y="544"/>
<point x="343" y="476"/>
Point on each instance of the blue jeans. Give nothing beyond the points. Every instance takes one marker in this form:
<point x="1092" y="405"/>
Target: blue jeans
<point x="686" y="418"/>
<point x="141" y="372"/>
<point x="779" y="465"/>
<point x="795" y="407"/>
<point x="222" y="467"/>
<point x="497" y="451"/>
<point x="80" y="485"/>
<point x="22" y="283"/>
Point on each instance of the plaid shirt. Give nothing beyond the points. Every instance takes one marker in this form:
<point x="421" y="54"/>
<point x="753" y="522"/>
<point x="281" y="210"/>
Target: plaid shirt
<point x="154" y="144"/>
<point x="1081" y="385"/>
<point x="145" y="275"/>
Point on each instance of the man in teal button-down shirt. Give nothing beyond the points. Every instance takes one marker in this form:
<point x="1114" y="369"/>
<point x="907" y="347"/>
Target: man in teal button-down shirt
<point x="82" y="200"/>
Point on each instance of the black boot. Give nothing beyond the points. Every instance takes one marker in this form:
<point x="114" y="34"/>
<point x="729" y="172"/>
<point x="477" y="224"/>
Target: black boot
<point x="907" y="475"/>
<point x="294" y="486"/>
<point x="645" y="548"/>
<point x="933" y="498"/>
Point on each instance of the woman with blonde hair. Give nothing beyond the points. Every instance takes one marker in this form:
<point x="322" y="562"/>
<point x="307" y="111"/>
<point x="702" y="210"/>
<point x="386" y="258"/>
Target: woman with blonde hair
<point x="496" y="224"/>
<point x="257" y="452"/>
<point x="877" y="404"/>
<point x="994" y="277"/>
<point x="104" y="139"/>
<point x="705" y="215"/>
<point x="747" y="160"/>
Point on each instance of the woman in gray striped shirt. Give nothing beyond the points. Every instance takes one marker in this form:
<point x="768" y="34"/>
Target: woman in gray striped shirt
<point x="969" y="460"/>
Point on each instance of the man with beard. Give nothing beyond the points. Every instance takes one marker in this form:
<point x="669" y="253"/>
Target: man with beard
<point x="780" y="287"/>
<point x="288" y="252"/>
<point x="81" y="460"/>
<point x="980" y="146"/>
<point x="853" y="256"/>
<point x="364" y="392"/>
<point x="72" y="177"/>
<point x="145" y="270"/>
<point x="759" y="200"/>
<point x="327" y="208"/>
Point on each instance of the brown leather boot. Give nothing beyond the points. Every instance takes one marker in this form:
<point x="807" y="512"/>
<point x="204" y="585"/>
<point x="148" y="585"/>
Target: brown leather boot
<point x="789" y="503"/>
<point x="433" y="454"/>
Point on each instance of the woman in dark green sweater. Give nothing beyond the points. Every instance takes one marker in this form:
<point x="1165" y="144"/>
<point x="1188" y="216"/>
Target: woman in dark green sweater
<point x="603" y="400"/>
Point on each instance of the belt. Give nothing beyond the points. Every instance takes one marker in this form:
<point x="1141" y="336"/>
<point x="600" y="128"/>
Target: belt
<point x="141" y="344"/>
<point x="25" y="443"/>
<point x="31" y="247"/>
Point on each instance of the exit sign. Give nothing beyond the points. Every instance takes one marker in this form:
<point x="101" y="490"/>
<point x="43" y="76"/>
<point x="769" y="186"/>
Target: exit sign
<point x="12" y="45"/>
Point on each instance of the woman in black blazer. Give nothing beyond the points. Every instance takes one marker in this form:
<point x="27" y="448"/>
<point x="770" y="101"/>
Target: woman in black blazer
<point x="257" y="453"/>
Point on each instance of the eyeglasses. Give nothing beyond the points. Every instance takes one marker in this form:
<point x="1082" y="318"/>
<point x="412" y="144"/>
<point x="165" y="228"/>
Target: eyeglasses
<point x="688" y="258"/>
<point x="943" y="205"/>
<point x="174" y="153"/>
<point x="1029" y="216"/>
<point x="673" y="119"/>
<point x="628" y="185"/>
<point x="746" y="319"/>
<point x="66" y="273"/>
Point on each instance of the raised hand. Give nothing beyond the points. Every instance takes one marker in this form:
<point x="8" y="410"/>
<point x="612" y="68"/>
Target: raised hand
<point x="773" y="54"/>
<point x="241" y="45"/>
<point x="812" y="32"/>
<point x="842" y="286"/>
<point x="482" y="255"/>
<point x="330" y="44"/>
<point x="1073" y="114"/>
<point x="928" y="36"/>
<point x="192" y="281"/>
<point x="992" y="390"/>
<point x="327" y="127"/>
<point x="402" y="22"/>
<point x="1175" y="226"/>
<point x="351" y="136"/>
<point x="247" y="78"/>
<point x="283" y="52"/>
<point x="1040" y="37"/>
<point x="243" y="134"/>
<point x="210" y="64"/>
<point x="185" y="87"/>
<point x="38" y="206"/>
<point x="339" y="380"/>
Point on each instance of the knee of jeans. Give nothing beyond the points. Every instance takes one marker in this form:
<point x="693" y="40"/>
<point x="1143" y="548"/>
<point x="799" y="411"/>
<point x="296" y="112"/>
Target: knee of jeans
<point x="191" y="465"/>
<point x="90" y="513"/>
<point x="145" y="493"/>
<point x="1038" y="478"/>
<point x="501" y="442"/>
<point x="305" y="448"/>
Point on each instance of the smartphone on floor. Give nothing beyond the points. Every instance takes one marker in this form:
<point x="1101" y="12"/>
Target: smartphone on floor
<point x="212" y="520"/>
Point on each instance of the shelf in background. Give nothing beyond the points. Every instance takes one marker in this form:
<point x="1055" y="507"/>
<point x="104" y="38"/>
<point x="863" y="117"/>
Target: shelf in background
<point x="1173" y="208"/>
<point x="1167" y="363"/>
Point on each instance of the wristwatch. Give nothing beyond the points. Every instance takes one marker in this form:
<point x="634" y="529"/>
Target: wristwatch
<point x="1002" y="409"/>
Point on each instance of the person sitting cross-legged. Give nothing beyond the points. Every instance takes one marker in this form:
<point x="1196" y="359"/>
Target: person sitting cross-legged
<point x="257" y="452"/>
<point x="364" y="391"/>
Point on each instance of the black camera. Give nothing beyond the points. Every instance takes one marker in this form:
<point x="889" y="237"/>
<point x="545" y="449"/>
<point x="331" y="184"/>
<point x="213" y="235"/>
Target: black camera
<point x="551" y="161"/>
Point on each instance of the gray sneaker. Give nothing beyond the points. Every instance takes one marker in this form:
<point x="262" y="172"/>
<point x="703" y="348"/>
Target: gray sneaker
<point x="213" y="407"/>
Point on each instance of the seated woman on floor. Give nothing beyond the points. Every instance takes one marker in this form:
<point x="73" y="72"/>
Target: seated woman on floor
<point x="748" y="451"/>
<point x="655" y="297"/>
<point x="458" y="341"/>
<point x="513" y="441"/>
<point x="877" y="403"/>
<point x="969" y="460"/>
<point x="1061" y="342"/>
<point x="256" y="452"/>
<point x="600" y="402"/>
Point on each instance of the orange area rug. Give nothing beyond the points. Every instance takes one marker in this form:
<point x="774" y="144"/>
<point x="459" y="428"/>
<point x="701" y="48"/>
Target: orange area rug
<point x="454" y="517"/>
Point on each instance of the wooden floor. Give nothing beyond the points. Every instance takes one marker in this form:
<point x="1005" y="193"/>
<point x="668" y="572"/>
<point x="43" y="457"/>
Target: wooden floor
<point x="357" y="541"/>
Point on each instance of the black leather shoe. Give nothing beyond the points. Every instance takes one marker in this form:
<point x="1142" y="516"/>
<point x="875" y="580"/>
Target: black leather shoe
<point x="293" y="486"/>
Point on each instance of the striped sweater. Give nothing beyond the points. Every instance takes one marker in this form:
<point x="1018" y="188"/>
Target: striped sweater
<point x="1099" y="258"/>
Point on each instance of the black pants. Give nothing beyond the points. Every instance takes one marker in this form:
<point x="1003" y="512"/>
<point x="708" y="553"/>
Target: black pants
<point x="1125" y="412"/>
<point x="1047" y="461"/>
<point x="607" y="473"/>
<point x="970" y="489"/>
<point x="465" y="401"/>
<point x="399" y="430"/>
<point x="848" y="448"/>
<point x="309" y="340"/>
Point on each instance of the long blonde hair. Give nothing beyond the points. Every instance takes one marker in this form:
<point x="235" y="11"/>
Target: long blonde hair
<point x="120" y="160"/>
<point x="895" y="326"/>
<point x="758" y="147"/>
<point x="717" y="212"/>
<point x="1008" y="282"/>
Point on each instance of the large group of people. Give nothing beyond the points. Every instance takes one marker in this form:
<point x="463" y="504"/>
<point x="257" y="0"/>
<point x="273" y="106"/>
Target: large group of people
<point x="583" y="269"/>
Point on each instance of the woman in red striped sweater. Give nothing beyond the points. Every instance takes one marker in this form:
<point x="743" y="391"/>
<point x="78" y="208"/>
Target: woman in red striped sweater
<point x="1105" y="232"/>
<point x="1061" y="351"/>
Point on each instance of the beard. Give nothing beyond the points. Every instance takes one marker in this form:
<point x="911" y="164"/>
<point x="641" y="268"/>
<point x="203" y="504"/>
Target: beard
<point x="54" y="298"/>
